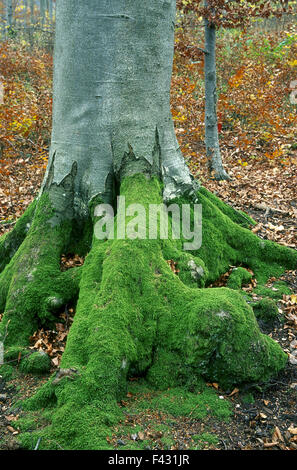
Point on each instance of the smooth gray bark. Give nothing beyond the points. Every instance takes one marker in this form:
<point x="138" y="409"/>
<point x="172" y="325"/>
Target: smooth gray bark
<point x="25" y="20"/>
<point x="211" y="123"/>
<point x="42" y="11"/>
<point x="32" y="3"/>
<point x="111" y="112"/>
<point x="50" y="11"/>
<point x="9" y="13"/>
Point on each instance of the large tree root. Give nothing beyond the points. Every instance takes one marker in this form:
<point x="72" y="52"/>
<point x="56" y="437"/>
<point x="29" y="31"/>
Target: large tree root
<point x="32" y="285"/>
<point x="135" y="316"/>
<point x="10" y="242"/>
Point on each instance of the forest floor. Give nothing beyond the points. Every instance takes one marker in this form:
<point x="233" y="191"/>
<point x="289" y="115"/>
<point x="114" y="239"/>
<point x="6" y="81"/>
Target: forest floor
<point x="262" y="417"/>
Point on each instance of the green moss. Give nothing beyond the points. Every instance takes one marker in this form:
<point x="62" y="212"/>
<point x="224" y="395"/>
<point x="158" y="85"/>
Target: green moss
<point x="276" y="291"/>
<point x="10" y="242"/>
<point x="44" y="397"/>
<point x="214" y="334"/>
<point x="179" y="402"/>
<point x="238" y="278"/>
<point x="167" y="442"/>
<point x="226" y="241"/>
<point x="14" y="353"/>
<point x="32" y="422"/>
<point x="247" y="398"/>
<point x="205" y="440"/>
<point x="238" y="217"/>
<point x="7" y="371"/>
<point x="266" y="309"/>
<point x="33" y="276"/>
<point x="36" y="363"/>
<point x="135" y="316"/>
<point x="81" y="237"/>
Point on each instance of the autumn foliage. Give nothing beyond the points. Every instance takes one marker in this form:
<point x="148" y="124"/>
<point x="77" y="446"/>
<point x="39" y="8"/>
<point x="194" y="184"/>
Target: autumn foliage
<point x="256" y="120"/>
<point x="25" y="123"/>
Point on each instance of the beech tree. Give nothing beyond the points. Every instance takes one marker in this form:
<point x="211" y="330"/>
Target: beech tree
<point x="113" y="135"/>
<point x="212" y="144"/>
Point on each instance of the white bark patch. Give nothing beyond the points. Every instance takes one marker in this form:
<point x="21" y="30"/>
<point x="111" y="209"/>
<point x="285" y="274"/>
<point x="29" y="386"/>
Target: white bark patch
<point x="223" y="314"/>
<point x="196" y="271"/>
<point x="30" y="276"/>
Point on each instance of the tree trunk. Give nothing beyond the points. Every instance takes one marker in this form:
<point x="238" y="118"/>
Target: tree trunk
<point x="113" y="134"/>
<point x="32" y="14"/>
<point x="211" y="122"/>
<point x="25" y="20"/>
<point x="42" y="12"/>
<point x="50" y="12"/>
<point x="111" y="114"/>
<point x="9" y="16"/>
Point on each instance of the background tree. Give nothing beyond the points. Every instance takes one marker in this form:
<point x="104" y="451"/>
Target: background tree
<point x="9" y="15"/>
<point x="212" y="145"/>
<point x="32" y="16"/>
<point x="26" y="17"/>
<point x="113" y="134"/>
<point x="226" y="14"/>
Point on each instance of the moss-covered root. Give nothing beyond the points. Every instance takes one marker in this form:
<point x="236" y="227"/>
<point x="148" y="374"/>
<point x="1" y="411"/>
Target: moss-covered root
<point x="10" y="242"/>
<point x="32" y="285"/>
<point x="135" y="316"/>
<point x="226" y="241"/>
<point x="266" y="310"/>
<point x="238" y="277"/>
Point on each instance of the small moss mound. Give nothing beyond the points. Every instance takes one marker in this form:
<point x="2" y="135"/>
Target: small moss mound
<point x="205" y="440"/>
<point x="238" y="277"/>
<point x="36" y="363"/>
<point x="266" y="310"/>
<point x="14" y="353"/>
<point x="7" y="371"/>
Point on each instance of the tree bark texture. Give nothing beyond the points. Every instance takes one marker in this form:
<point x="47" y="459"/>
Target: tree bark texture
<point x="111" y="113"/>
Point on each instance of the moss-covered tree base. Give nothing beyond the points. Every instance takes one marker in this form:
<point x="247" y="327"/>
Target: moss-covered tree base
<point x="135" y="316"/>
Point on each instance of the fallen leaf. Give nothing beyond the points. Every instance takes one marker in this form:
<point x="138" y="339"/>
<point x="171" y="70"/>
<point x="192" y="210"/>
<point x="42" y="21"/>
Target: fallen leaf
<point x="292" y="430"/>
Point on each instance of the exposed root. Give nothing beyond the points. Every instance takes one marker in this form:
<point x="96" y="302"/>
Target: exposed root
<point x="32" y="286"/>
<point x="135" y="316"/>
<point x="11" y="241"/>
<point x="221" y="175"/>
<point x="63" y="373"/>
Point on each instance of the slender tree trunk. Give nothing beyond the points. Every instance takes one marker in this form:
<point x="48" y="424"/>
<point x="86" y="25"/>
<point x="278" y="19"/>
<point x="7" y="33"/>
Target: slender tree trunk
<point x="9" y="14"/>
<point x="32" y="17"/>
<point x="111" y="112"/>
<point x="211" y="123"/>
<point x="50" y="12"/>
<point x="25" y="20"/>
<point x="42" y="12"/>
